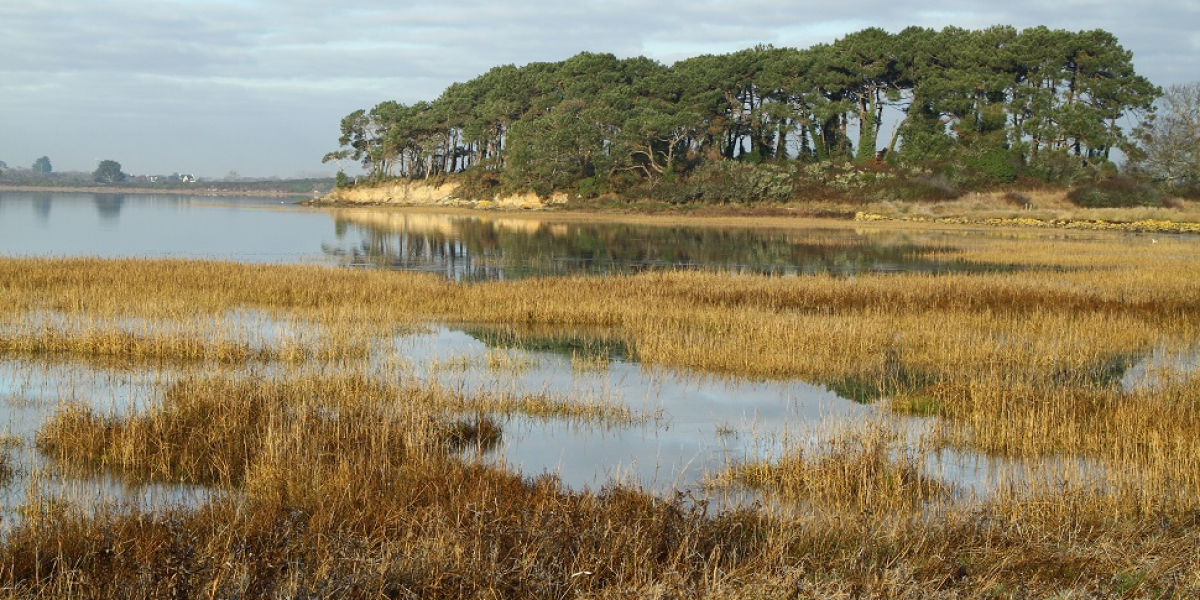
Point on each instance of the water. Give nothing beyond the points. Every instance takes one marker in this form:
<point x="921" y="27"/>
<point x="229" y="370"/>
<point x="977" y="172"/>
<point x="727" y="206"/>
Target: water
<point x="120" y="225"/>
<point x="692" y="424"/>
<point x="514" y="246"/>
<point x="461" y="247"/>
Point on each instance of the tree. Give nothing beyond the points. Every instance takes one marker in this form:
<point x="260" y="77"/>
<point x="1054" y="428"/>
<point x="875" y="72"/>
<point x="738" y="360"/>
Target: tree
<point x="42" y="165"/>
<point x="997" y="100"/>
<point x="109" y="171"/>
<point x="1170" y="139"/>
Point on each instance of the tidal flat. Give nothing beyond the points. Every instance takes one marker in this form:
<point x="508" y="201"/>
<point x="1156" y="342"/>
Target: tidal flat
<point x="316" y="431"/>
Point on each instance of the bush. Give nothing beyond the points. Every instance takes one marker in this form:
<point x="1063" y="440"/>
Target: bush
<point x="729" y="182"/>
<point x="1189" y="192"/>
<point x="1058" y="167"/>
<point x="588" y="188"/>
<point x="478" y="183"/>
<point x="1017" y="199"/>
<point x="996" y="164"/>
<point x="921" y="187"/>
<point x="1118" y="192"/>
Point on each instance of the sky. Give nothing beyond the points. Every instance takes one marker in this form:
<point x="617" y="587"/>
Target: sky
<point x="258" y="87"/>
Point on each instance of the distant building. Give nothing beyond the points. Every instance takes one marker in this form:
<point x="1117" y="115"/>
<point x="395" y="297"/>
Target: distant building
<point x="187" y="178"/>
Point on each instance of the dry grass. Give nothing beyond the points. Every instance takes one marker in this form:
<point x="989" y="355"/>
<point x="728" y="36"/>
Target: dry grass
<point x="345" y="482"/>
<point x="1045" y="205"/>
<point x="849" y="469"/>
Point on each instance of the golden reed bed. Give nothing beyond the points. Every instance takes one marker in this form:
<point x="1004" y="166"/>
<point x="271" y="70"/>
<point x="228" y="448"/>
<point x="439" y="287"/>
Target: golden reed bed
<point x="346" y="481"/>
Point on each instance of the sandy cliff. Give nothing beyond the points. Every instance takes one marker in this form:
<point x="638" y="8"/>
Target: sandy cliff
<point x="422" y="193"/>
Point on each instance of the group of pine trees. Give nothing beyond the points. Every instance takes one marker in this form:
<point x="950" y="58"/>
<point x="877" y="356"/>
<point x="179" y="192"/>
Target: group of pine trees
<point x="999" y="97"/>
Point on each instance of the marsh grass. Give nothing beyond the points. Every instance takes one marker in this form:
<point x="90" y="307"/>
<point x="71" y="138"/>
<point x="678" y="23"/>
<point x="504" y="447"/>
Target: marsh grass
<point x="118" y="344"/>
<point x="585" y="361"/>
<point x="512" y="362"/>
<point x="864" y="466"/>
<point x="348" y="483"/>
<point x="588" y="409"/>
<point x="9" y="467"/>
<point x="211" y="431"/>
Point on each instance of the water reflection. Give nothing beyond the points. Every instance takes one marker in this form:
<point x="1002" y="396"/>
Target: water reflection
<point x="146" y="226"/>
<point x="693" y="423"/>
<point x="41" y="207"/>
<point x="1160" y="368"/>
<point x="490" y="247"/>
<point x="108" y="206"/>
<point x="459" y="247"/>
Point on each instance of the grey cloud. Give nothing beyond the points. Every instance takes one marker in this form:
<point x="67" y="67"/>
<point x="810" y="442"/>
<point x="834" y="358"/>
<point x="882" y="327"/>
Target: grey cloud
<point x="266" y="81"/>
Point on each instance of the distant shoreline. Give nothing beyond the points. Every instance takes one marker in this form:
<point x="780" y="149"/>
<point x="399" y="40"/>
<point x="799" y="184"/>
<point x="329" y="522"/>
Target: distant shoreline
<point x="198" y="190"/>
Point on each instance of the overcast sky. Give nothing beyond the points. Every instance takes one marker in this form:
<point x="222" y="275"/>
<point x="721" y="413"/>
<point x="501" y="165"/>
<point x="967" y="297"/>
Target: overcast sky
<point x="259" y="86"/>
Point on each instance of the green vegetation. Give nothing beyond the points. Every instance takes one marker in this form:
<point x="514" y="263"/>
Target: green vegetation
<point x="973" y="109"/>
<point x="42" y="165"/>
<point x="108" y="171"/>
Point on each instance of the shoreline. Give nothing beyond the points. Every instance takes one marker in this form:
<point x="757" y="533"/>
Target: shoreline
<point x="845" y="214"/>
<point x="198" y="191"/>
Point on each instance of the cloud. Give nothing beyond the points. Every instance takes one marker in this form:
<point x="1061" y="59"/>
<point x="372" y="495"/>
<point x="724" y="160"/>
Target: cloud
<point x="81" y="75"/>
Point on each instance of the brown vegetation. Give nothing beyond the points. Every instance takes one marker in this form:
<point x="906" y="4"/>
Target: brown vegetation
<point x="340" y="479"/>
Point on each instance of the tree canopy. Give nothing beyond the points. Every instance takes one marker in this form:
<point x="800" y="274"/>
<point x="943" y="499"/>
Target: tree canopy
<point x="1002" y="97"/>
<point x="1171" y="139"/>
<point x="42" y="165"/>
<point x="108" y="171"/>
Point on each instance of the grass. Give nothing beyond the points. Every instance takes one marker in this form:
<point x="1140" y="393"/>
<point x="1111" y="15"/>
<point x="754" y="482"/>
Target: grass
<point x="854" y="468"/>
<point x="342" y="478"/>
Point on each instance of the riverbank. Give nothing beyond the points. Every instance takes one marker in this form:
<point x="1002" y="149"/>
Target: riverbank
<point x="421" y="193"/>
<point x="194" y="190"/>
<point x="1037" y="209"/>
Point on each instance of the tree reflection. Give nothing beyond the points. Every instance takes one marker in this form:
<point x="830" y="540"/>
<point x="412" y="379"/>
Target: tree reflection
<point x="108" y="206"/>
<point x="473" y="248"/>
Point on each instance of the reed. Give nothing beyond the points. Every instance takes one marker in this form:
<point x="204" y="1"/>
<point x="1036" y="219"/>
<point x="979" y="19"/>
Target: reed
<point x="342" y="477"/>
<point x="849" y="469"/>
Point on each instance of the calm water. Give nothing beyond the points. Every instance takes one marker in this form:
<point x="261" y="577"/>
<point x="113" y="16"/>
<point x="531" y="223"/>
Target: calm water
<point x="120" y="225"/>
<point x="694" y="424"/>
<point x="496" y="246"/>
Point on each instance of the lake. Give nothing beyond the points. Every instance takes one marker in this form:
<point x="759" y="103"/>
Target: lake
<point x="461" y="247"/>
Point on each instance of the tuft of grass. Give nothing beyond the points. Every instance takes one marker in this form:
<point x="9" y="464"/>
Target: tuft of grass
<point x="508" y="361"/>
<point x="857" y="468"/>
<point x="589" y="362"/>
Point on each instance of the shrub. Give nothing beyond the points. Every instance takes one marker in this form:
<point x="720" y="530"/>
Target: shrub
<point x="588" y="188"/>
<point x="996" y="164"/>
<point x="921" y="187"/>
<point x="1058" y="167"/>
<point x="479" y="184"/>
<point x="1017" y="199"/>
<point x="729" y="182"/>
<point x="1118" y="192"/>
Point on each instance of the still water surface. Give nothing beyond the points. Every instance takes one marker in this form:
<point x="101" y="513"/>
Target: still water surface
<point x="461" y="247"/>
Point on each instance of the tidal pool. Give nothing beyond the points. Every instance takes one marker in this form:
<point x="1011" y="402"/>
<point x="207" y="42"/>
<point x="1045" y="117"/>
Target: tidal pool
<point x="686" y="427"/>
